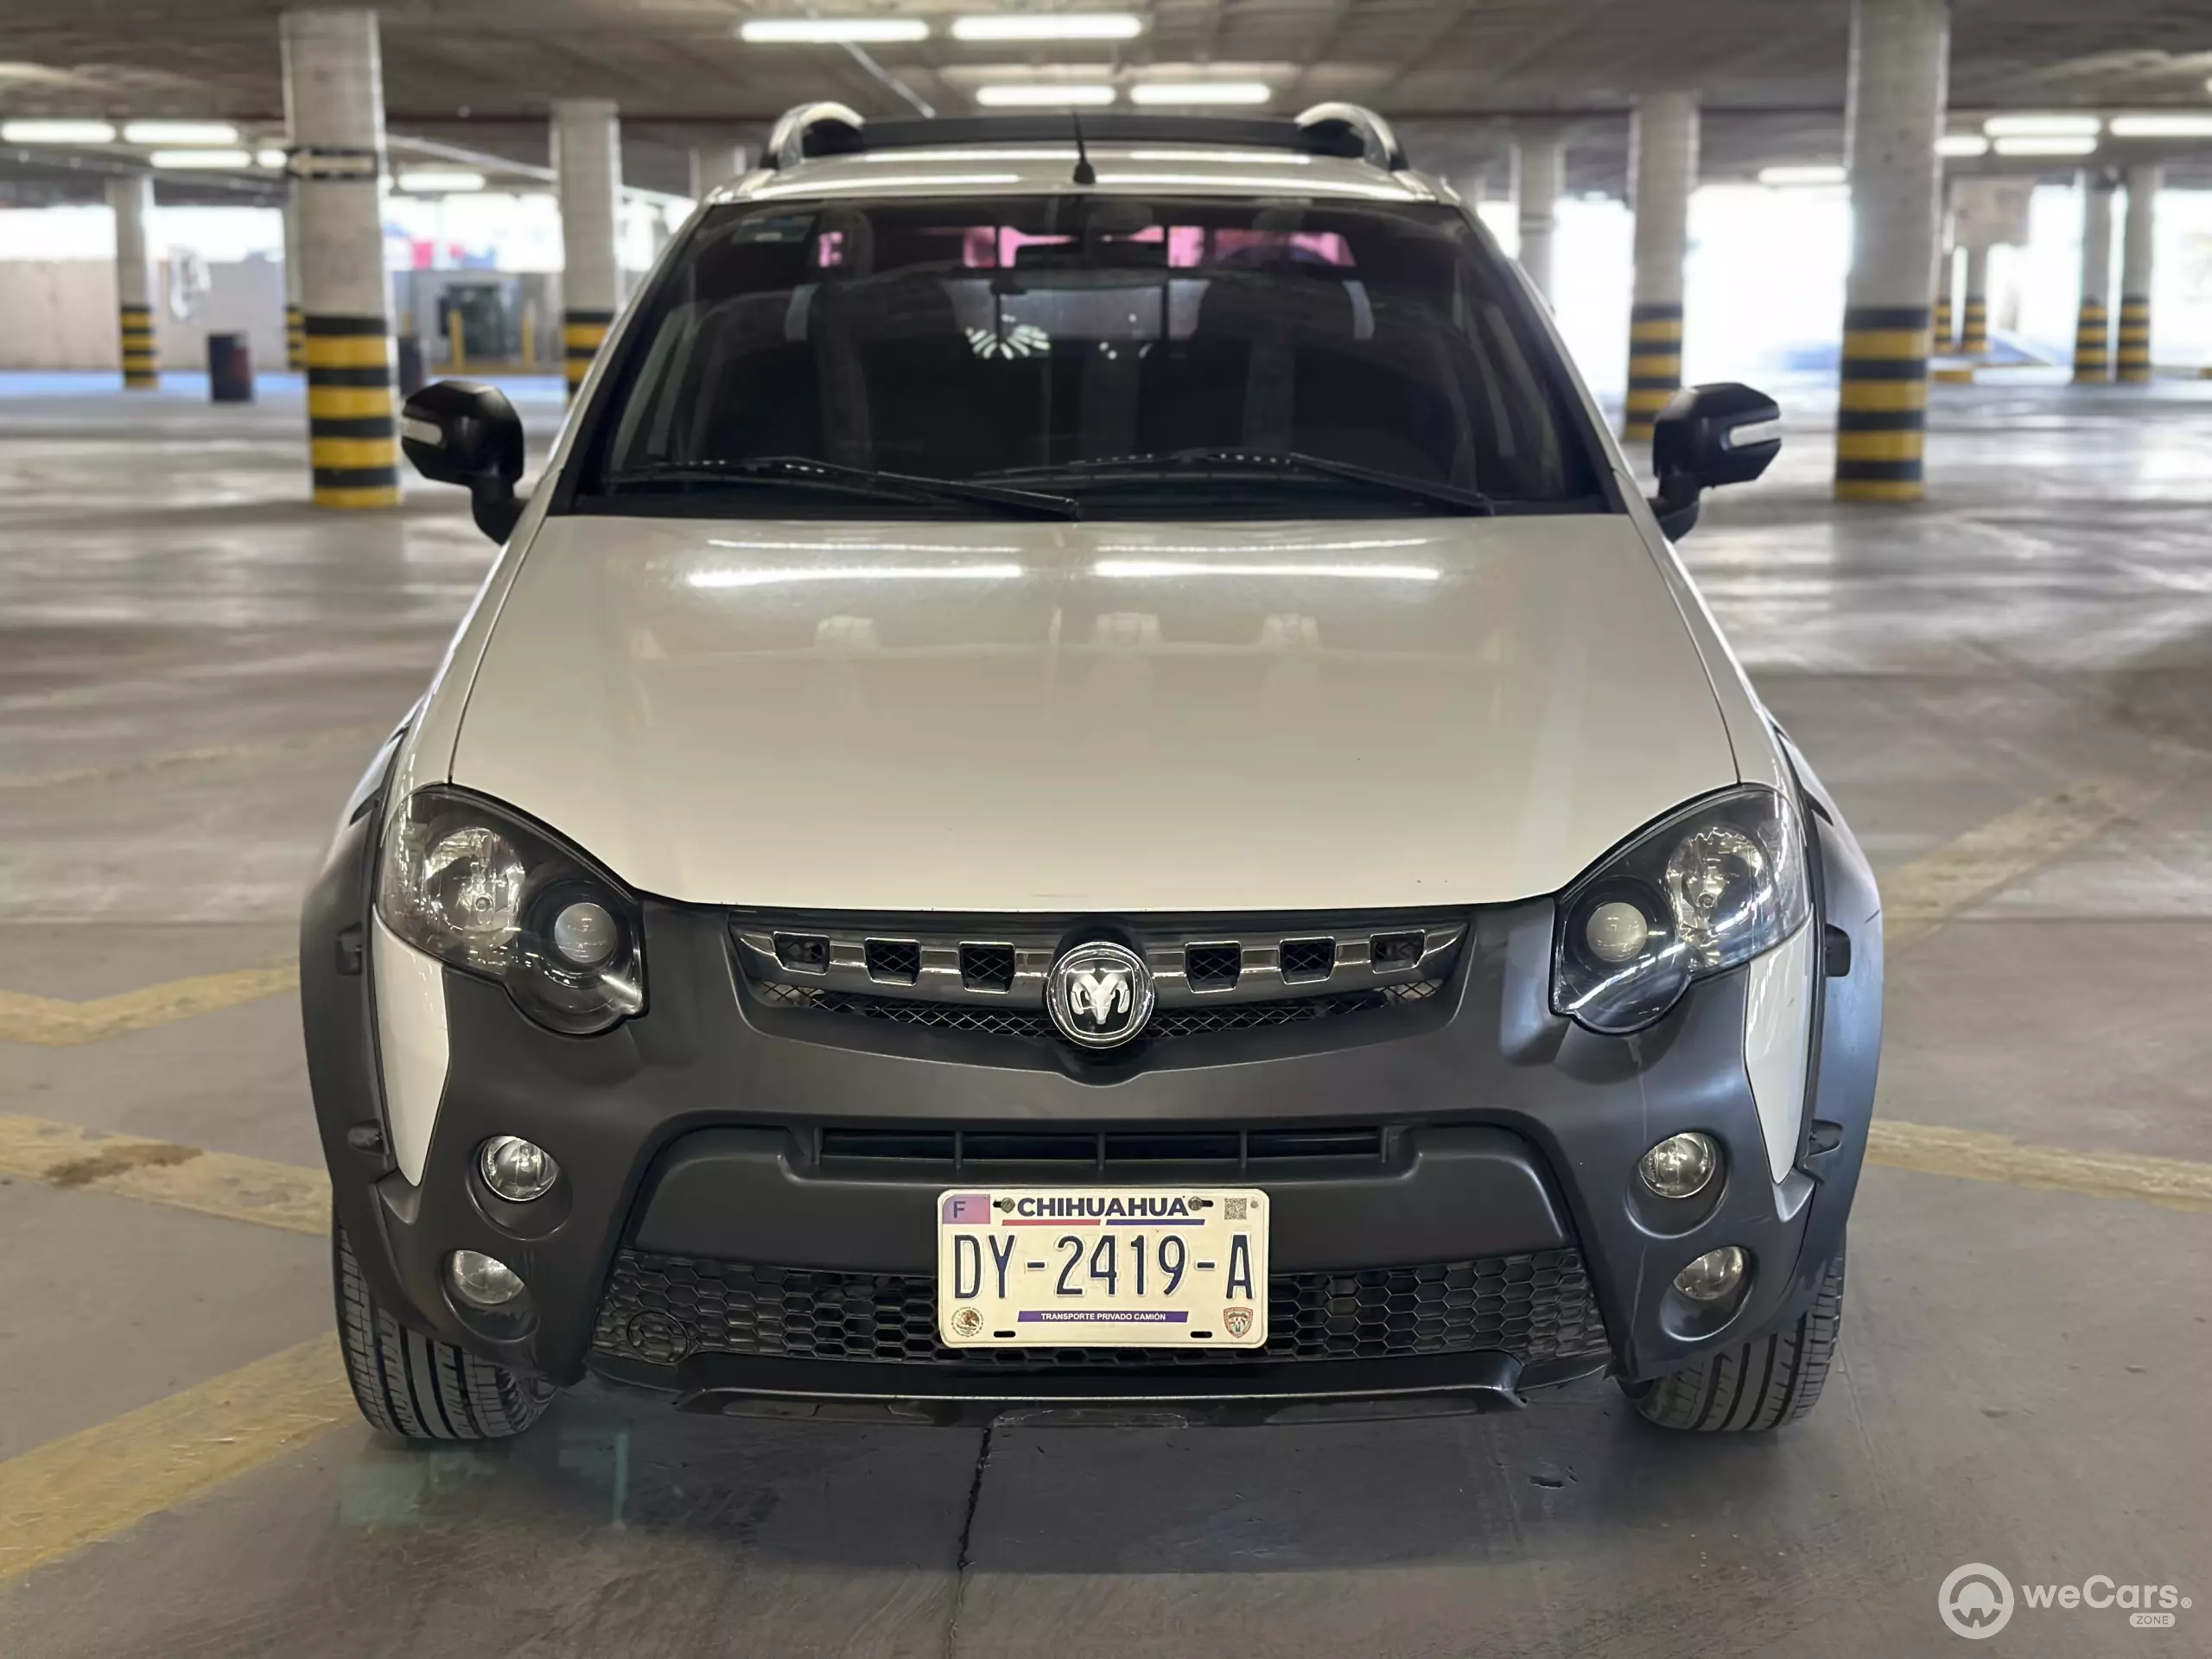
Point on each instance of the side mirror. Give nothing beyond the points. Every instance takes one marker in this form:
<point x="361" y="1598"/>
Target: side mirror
<point x="1705" y="437"/>
<point x="459" y="432"/>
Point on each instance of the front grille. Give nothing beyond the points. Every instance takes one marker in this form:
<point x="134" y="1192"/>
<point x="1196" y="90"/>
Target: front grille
<point x="661" y="1308"/>
<point x="1213" y="967"/>
<point x="986" y="967"/>
<point x="894" y="962"/>
<point x="999" y="1021"/>
<point x="1104" y="1150"/>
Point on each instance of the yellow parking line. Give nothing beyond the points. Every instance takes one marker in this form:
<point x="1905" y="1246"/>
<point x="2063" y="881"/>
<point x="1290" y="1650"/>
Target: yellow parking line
<point x="1919" y="896"/>
<point x="62" y="1496"/>
<point x="1973" y="1155"/>
<point x="55" y="1022"/>
<point x="259" y="1190"/>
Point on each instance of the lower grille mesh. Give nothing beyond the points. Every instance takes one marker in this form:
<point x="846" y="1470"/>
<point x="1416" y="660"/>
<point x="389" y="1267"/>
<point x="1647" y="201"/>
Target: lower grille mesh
<point x="661" y="1308"/>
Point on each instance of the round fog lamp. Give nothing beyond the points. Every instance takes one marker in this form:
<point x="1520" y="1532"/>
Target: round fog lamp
<point x="518" y="1170"/>
<point x="482" y="1280"/>
<point x="1714" y="1276"/>
<point x="1617" y="931"/>
<point x="1681" y="1166"/>
<point x="584" y="934"/>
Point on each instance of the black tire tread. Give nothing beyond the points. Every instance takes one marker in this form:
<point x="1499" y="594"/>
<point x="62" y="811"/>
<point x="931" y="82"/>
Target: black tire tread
<point x="417" y="1387"/>
<point x="1755" y="1386"/>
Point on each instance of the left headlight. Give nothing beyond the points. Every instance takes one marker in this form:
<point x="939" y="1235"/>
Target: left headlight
<point x="481" y="888"/>
<point x="1702" y="890"/>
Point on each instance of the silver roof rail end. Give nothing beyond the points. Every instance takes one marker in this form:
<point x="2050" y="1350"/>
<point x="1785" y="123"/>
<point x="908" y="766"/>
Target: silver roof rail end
<point x="1378" y="144"/>
<point x="788" y="140"/>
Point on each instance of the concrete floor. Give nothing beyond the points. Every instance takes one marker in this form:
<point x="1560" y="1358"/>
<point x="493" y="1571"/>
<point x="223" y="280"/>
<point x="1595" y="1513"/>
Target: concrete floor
<point x="193" y="667"/>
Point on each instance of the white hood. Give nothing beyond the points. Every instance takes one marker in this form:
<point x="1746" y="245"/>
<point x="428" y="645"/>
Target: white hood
<point x="1092" y="717"/>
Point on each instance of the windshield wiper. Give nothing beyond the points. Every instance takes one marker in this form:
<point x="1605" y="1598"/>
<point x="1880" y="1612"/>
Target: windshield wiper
<point x="799" y="471"/>
<point x="1196" y="465"/>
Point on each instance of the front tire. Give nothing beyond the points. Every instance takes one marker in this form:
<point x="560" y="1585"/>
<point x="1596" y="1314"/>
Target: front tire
<point x="1756" y="1385"/>
<point x="417" y="1387"/>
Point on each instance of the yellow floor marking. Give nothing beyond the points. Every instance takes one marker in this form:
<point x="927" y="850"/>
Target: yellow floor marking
<point x="363" y="734"/>
<point x="56" y="1022"/>
<point x="258" y="1190"/>
<point x="1973" y="1156"/>
<point x="1919" y="897"/>
<point x="59" y="1497"/>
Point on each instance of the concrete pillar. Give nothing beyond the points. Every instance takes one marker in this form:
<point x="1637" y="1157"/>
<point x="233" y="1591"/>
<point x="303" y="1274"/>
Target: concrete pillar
<point x="1540" y="174"/>
<point x="1663" y="171"/>
<point x="1973" y="339"/>
<point x="132" y="199"/>
<point x="587" y="170"/>
<point x="333" y="94"/>
<point x="1900" y="53"/>
<point x="2092" y="324"/>
<point x="2138" y="241"/>
<point x="712" y="167"/>
<point x="294" y="325"/>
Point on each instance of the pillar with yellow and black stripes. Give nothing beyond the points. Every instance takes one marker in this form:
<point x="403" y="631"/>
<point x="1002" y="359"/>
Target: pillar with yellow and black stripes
<point x="1900" y="53"/>
<point x="294" y="318"/>
<point x="132" y="200"/>
<point x="1974" y="333"/>
<point x="1946" y="329"/>
<point x="2138" y="243"/>
<point x="333" y="93"/>
<point x="2093" y="322"/>
<point x="1663" y="171"/>
<point x="587" y="174"/>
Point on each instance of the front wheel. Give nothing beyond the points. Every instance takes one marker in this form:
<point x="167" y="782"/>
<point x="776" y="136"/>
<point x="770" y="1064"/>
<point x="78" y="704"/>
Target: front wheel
<point x="417" y="1387"/>
<point x="1756" y="1385"/>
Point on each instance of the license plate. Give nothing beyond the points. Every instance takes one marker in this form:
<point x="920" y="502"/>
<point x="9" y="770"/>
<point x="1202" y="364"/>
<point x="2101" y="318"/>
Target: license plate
<point x="1044" y="1267"/>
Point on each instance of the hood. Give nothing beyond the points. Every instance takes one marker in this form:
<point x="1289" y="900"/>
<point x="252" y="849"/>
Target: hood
<point x="1105" y="717"/>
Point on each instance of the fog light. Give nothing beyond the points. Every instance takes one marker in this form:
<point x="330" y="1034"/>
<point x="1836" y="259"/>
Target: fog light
<point x="518" y="1170"/>
<point x="1714" y="1276"/>
<point x="482" y="1280"/>
<point x="585" y="934"/>
<point x="1681" y="1166"/>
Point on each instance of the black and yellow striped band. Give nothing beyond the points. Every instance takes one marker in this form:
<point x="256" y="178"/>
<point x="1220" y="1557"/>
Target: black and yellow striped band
<point x="1654" y="365"/>
<point x="583" y="333"/>
<point x="295" y="337"/>
<point x="2134" y="337"/>
<point x="352" y="426"/>
<point x="1882" y="410"/>
<point x="140" y="365"/>
<point x="2092" y="342"/>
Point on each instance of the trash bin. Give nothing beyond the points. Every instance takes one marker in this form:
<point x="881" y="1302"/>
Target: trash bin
<point x="411" y="378"/>
<point x="230" y="369"/>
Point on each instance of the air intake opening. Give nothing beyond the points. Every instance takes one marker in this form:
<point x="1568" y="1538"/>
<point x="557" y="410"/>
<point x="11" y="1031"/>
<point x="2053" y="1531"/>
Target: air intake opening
<point x="1213" y="967"/>
<point x="1397" y="950"/>
<point x="986" y="967"/>
<point x="804" y="953"/>
<point x="894" y="962"/>
<point x="1304" y="960"/>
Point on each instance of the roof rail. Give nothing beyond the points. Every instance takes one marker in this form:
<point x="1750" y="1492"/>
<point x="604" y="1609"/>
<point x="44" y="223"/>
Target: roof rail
<point x="818" y="128"/>
<point x="1378" y="144"/>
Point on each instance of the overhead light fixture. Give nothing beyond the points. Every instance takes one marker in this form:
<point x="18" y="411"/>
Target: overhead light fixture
<point x="1049" y="26"/>
<point x="2054" y="144"/>
<point x="1821" y="174"/>
<point x="57" y="132"/>
<point x="2043" y="126"/>
<point x="438" y="181"/>
<point x="832" y="31"/>
<point x="206" y="161"/>
<point x="219" y="133"/>
<point x="1200" y="91"/>
<point x="272" y="157"/>
<point x="1962" y="145"/>
<point x="1046" y="94"/>
<point x="2160" y="126"/>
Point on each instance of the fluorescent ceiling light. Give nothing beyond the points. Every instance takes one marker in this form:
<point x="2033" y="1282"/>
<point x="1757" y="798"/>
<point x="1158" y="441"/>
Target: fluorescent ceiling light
<point x="832" y="31"/>
<point x="1049" y="26"/>
<point x="2054" y="145"/>
<point x="1200" y="91"/>
<point x="432" y="182"/>
<point x="180" y="132"/>
<point x="2161" y="126"/>
<point x="269" y="157"/>
<point x="1962" y="143"/>
<point x="208" y="161"/>
<point x="57" y="132"/>
<point x="1051" y="94"/>
<point x="1825" y="172"/>
<point x="2043" y="126"/>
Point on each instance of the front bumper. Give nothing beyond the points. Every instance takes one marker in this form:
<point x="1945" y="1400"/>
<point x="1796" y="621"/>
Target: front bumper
<point x="695" y="1135"/>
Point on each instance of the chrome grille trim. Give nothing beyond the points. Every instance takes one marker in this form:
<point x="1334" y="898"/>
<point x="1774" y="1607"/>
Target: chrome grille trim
<point x="1260" y="977"/>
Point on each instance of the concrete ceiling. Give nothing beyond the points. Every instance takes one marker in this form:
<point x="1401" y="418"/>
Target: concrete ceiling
<point x="482" y="72"/>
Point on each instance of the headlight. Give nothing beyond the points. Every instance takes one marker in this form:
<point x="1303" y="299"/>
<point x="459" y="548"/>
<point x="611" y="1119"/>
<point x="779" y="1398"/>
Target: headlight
<point x="1714" y="885"/>
<point x="480" y="888"/>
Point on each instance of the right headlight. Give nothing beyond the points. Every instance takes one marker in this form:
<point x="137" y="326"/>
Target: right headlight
<point x="1702" y="890"/>
<point x="483" y="889"/>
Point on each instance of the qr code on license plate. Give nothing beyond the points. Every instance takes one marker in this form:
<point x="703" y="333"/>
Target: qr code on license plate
<point x="1233" y="1209"/>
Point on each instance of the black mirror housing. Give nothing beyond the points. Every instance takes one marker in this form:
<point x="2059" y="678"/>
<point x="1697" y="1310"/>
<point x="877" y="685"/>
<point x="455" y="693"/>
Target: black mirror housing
<point x="1707" y="436"/>
<point x="461" y="432"/>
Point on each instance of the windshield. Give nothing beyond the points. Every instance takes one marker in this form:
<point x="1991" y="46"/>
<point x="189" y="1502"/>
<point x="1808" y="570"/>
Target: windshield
<point x="1150" y="357"/>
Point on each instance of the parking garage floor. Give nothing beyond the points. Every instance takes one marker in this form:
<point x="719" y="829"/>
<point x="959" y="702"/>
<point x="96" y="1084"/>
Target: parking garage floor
<point x="2010" y="691"/>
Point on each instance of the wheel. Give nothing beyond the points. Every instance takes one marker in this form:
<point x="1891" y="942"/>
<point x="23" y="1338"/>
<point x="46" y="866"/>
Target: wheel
<point x="1757" y="1385"/>
<point x="417" y="1387"/>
